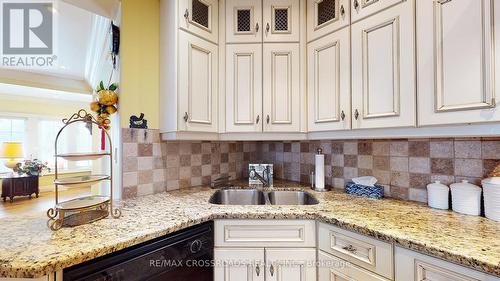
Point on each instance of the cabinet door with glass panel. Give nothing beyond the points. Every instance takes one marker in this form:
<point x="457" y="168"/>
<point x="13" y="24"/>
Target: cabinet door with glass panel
<point x="280" y="19"/>
<point x="326" y="16"/>
<point x="244" y="21"/>
<point x="200" y="18"/>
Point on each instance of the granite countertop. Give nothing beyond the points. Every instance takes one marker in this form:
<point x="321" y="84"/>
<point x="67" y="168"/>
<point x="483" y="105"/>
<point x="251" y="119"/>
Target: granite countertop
<point x="30" y="249"/>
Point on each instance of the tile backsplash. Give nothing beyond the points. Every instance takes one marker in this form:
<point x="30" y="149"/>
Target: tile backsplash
<point x="152" y="166"/>
<point x="403" y="166"/>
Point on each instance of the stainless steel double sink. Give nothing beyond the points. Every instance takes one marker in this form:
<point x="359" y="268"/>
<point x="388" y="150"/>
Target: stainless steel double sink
<point x="258" y="197"/>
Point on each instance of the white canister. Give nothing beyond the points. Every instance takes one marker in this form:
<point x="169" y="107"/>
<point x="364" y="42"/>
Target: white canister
<point x="438" y="195"/>
<point x="491" y="189"/>
<point x="466" y="198"/>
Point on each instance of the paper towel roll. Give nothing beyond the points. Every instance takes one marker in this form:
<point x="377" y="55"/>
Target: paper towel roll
<point x="320" y="172"/>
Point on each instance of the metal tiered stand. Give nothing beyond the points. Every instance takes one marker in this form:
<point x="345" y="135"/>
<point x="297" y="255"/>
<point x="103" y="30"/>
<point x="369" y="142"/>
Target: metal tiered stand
<point x="83" y="209"/>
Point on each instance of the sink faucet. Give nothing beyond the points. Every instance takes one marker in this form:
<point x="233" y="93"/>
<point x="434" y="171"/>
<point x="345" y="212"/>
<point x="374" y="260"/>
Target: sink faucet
<point x="265" y="179"/>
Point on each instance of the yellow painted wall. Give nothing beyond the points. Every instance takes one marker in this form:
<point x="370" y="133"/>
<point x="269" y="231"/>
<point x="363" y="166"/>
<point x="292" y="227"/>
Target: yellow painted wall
<point x="140" y="67"/>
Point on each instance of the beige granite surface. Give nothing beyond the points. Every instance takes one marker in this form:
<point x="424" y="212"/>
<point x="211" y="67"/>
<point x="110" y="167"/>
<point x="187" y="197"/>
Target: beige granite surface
<point x="30" y="249"/>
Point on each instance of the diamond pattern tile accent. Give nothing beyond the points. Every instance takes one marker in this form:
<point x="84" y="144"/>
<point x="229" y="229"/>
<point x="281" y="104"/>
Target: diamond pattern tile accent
<point x="281" y="19"/>
<point x="326" y="11"/>
<point x="200" y="13"/>
<point x="243" y="20"/>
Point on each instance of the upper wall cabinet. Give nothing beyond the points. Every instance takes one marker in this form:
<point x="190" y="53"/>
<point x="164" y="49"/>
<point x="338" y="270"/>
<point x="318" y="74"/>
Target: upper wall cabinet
<point x="383" y="68"/>
<point x="329" y="82"/>
<point x="281" y="20"/>
<point x="281" y="87"/>
<point x="188" y="70"/>
<point x="456" y="65"/>
<point x="326" y="16"/>
<point x="200" y="17"/>
<point x="244" y="88"/>
<point x="363" y="8"/>
<point x="243" y="21"/>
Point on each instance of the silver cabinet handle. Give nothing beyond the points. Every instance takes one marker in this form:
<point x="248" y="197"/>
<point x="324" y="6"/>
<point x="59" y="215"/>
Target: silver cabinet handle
<point x="356" y="4"/>
<point x="186" y="14"/>
<point x="256" y="27"/>
<point x="443" y="1"/>
<point x="267" y="119"/>
<point x="258" y="119"/>
<point x="342" y="10"/>
<point x="271" y="270"/>
<point x="356" y="114"/>
<point x="267" y="28"/>
<point x="350" y="249"/>
<point x="257" y="270"/>
<point x="186" y="117"/>
<point x="342" y="115"/>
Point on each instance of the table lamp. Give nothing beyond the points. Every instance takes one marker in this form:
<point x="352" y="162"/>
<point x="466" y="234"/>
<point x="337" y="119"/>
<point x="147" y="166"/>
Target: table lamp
<point x="12" y="151"/>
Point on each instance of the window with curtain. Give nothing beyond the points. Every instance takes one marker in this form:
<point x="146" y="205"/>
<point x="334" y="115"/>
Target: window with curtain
<point x="11" y="129"/>
<point x="38" y="136"/>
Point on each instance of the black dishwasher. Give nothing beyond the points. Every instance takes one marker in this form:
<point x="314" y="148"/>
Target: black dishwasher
<point x="186" y="255"/>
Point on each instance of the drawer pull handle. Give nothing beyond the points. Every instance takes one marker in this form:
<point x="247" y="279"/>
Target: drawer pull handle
<point x="271" y="270"/>
<point x="350" y="249"/>
<point x="258" y="119"/>
<point x="267" y="119"/>
<point x="267" y="28"/>
<point x="342" y="10"/>
<point x="256" y="27"/>
<point x="186" y="117"/>
<point x="186" y="14"/>
<point x="442" y="2"/>
<point x="257" y="270"/>
<point x="342" y="115"/>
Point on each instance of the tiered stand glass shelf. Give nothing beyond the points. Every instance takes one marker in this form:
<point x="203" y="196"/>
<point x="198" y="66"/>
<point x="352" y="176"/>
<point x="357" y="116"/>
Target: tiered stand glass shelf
<point x="88" y="208"/>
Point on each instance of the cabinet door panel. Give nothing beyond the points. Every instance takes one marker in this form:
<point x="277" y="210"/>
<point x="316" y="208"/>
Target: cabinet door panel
<point x="383" y="69"/>
<point x="411" y="265"/>
<point x="290" y="264"/>
<point x="336" y="269"/>
<point x="281" y="20"/>
<point x="243" y="21"/>
<point x="363" y="8"/>
<point x="326" y="16"/>
<point x="197" y="84"/>
<point x="239" y="264"/>
<point x="200" y="17"/>
<point x="244" y="88"/>
<point x="329" y="82"/>
<point x="281" y="89"/>
<point x="456" y="76"/>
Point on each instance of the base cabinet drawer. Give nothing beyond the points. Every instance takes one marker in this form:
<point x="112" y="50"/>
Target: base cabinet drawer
<point x="265" y="233"/>
<point x="371" y="254"/>
<point x="332" y="268"/>
<point x="411" y="265"/>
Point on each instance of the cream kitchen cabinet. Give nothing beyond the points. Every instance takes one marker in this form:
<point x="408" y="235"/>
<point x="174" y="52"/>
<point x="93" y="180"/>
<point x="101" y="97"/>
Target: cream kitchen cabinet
<point x="268" y="250"/>
<point x="262" y="21"/>
<point x="281" y="20"/>
<point x="363" y="8"/>
<point x="244" y="87"/>
<point x="456" y="62"/>
<point x="200" y="17"/>
<point x="383" y="68"/>
<point x="411" y="265"/>
<point x="270" y="264"/>
<point x="243" y="21"/>
<point x="262" y="87"/>
<point x="329" y="82"/>
<point x="189" y="77"/>
<point x="239" y="264"/>
<point x="281" y="87"/>
<point x="326" y="16"/>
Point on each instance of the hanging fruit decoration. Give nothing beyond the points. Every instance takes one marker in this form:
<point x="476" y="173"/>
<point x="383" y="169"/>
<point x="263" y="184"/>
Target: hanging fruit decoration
<point x="105" y="105"/>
